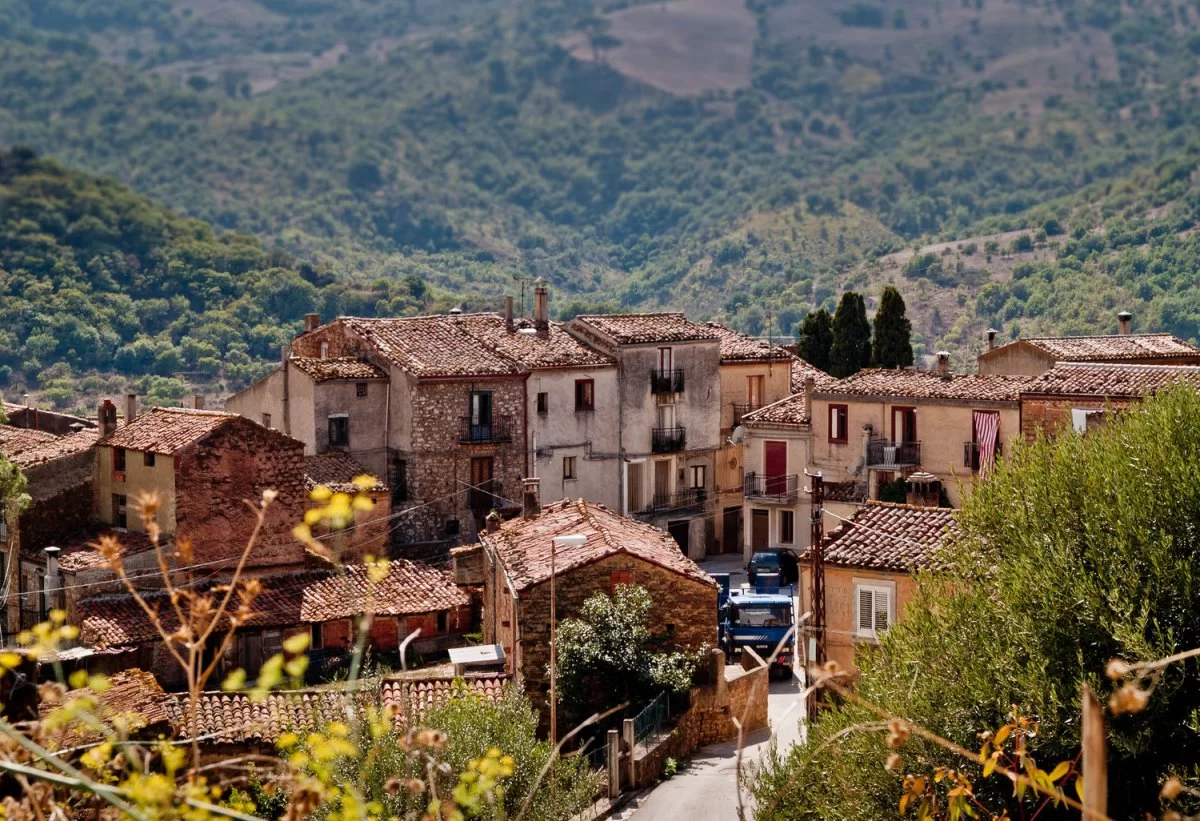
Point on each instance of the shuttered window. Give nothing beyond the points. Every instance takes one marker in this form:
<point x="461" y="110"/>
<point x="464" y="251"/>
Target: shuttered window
<point x="873" y="609"/>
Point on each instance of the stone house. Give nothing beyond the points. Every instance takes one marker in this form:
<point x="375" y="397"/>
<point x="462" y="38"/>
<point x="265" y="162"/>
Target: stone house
<point x="58" y="470"/>
<point x="879" y="425"/>
<point x="1077" y="396"/>
<point x="203" y="465"/>
<point x="1034" y="356"/>
<point x="669" y="401"/>
<point x="869" y="566"/>
<point x="371" y="531"/>
<point x="512" y="562"/>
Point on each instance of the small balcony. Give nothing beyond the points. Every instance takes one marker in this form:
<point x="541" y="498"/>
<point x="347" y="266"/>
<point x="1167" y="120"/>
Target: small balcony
<point x="485" y="431"/>
<point x="689" y="500"/>
<point x="741" y="410"/>
<point x="666" y="381"/>
<point x="485" y="496"/>
<point x="885" y="455"/>
<point x="772" y="489"/>
<point x="668" y="440"/>
<point x="971" y="455"/>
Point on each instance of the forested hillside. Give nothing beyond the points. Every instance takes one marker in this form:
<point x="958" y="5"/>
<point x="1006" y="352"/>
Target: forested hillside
<point x="731" y="160"/>
<point x="99" y="286"/>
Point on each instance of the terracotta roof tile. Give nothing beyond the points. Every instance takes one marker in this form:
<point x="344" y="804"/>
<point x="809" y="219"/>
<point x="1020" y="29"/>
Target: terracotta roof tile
<point x="883" y="536"/>
<point x="15" y="440"/>
<point x="911" y="384"/>
<point x="791" y="411"/>
<point x="431" y="346"/>
<point x="801" y="370"/>
<point x="167" y="430"/>
<point x="632" y="329"/>
<point x="340" y="367"/>
<point x="413" y="697"/>
<point x="233" y="718"/>
<point x="850" y="492"/>
<point x="1111" y="380"/>
<point x="79" y="552"/>
<point x="59" y="448"/>
<point x="336" y="471"/>
<point x="1109" y="348"/>
<point x="737" y="347"/>
<point x="409" y="588"/>
<point x="557" y="349"/>
<point x="523" y="545"/>
<point x="132" y="694"/>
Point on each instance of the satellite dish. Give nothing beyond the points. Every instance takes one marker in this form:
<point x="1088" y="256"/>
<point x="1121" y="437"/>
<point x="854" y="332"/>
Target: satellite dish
<point x="737" y="436"/>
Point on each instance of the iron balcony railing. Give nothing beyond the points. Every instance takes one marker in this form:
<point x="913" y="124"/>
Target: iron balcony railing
<point x="668" y="440"/>
<point x="666" y="381"/>
<point x="689" y="500"/>
<point x="771" y="488"/>
<point x="741" y="410"/>
<point x="484" y="496"/>
<point x="885" y="455"/>
<point x="971" y="454"/>
<point x="485" y="431"/>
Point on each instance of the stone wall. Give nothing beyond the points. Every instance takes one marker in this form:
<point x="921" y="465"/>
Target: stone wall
<point x="1052" y="415"/>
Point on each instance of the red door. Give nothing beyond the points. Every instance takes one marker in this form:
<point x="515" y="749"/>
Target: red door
<point x="775" y="464"/>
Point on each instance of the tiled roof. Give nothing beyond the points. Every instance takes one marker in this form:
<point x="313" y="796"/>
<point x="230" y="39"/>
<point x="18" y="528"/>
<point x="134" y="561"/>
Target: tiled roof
<point x="884" y="536"/>
<point x="132" y="694"/>
<point x="911" y="384"/>
<point x="168" y="430"/>
<point x="1111" y="380"/>
<point x="792" y="411"/>
<point x="233" y="718"/>
<point x="336" y="471"/>
<point x="413" y="697"/>
<point x="340" y="367"/>
<point x="79" y="552"/>
<point x="631" y="329"/>
<point x="15" y="440"/>
<point x="523" y="545"/>
<point x="432" y="346"/>
<point x="850" y="492"/>
<point x="409" y="588"/>
<point x="557" y="349"/>
<point x="736" y="347"/>
<point x="57" y="448"/>
<point x="1109" y="348"/>
<point x="801" y="370"/>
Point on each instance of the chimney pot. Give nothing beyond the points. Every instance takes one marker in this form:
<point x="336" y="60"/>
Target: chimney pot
<point x="130" y="407"/>
<point x="312" y="322"/>
<point x="1123" y="320"/>
<point x="198" y="401"/>
<point x="541" y="308"/>
<point x="508" y="315"/>
<point x="106" y="418"/>
<point x="991" y="338"/>
<point x="943" y="364"/>
<point x="531" y="498"/>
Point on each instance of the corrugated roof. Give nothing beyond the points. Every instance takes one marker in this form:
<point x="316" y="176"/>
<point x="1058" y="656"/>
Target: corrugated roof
<point x="1111" y="380"/>
<point x="892" y="537"/>
<point x="738" y="347"/>
<point x="911" y="384"/>
<point x="523" y="545"/>
<point x="633" y="329"/>
<point x="336" y="471"/>
<point x="339" y="367"/>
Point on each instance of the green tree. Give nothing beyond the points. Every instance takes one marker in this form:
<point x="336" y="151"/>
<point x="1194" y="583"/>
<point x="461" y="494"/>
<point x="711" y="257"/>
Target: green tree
<point x="608" y="655"/>
<point x="815" y="337"/>
<point x="1076" y="551"/>
<point x="850" y="350"/>
<point x="891" y="346"/>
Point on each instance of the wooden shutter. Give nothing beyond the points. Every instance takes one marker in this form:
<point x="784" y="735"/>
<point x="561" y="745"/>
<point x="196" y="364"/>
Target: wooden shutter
<point x="866" y="607"/>
<point x="881" y="610"/>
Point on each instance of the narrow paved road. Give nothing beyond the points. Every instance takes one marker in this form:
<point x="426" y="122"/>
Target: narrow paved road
<point x="707" y="788"/>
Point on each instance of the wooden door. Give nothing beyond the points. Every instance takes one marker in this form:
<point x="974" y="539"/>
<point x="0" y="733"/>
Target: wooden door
<point x="662" y="481"/>
<point x="731" y="537"/>
<point x="760" y="529"/>
<point x="775" y="467"/>
<point x="633" y="495"/>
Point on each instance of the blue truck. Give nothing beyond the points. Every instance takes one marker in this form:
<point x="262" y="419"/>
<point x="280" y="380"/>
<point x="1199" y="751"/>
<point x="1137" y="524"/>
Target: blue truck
<point x="762" y="618"/>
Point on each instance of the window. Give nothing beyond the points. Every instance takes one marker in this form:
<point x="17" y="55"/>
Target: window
<point x="839" y="424"/>
<point x="787" y="526"/>
<point x="665" y="359"/>
<point x="585" y="395"/>
<point x="360" y="389"/>
<point x="904" y="425"/>
<point x="481" y="414"/>
<point x="754" y="391"/>
<point x="443" y="621"/>
<point x="568" y="467"/>
<point x="324" y="350"/>
<point x="619" y="577"/>
<point x="873" y="609"/>
<point x="316" y="639"/>
<point x="1085" y="419"/>
<point x="148" y="458"/>
<point x="400" y="481"/>
<point x="543" y="403"/>
<point x="452" y="528"/>
<point x="339" y="430"/>
<point x="266" y="420"/>
<point x="118" y="459"/>
<point x="118" y="510"/>
<point x="699" y="475"/>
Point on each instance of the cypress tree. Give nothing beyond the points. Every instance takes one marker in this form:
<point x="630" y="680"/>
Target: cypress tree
<point x="892" y="345"/>
<point x="850" y="351"/>
<point x="814" y="338"/>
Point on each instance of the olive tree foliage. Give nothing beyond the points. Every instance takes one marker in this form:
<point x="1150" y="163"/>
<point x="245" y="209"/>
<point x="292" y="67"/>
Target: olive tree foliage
<point x="1076" y="551"/>
<point x="609" y="656"/>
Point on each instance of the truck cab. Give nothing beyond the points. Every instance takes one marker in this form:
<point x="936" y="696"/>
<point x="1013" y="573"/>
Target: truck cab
<point x="762" y="619"/>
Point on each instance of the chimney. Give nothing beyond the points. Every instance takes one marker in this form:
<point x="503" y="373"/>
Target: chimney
<point x="541" y="307"/>
<point x="53" y="582"/>
<point x="198" y="401"/>
<point x="991" y="336"/>
<point x="809" y="385"/>
<point x="311" y="322"/>
<point x="492" y="520"/>
<point x="508" y="315"/>
<point x="1123" y="322"/>
<point x="923" y="490"/>
<point x="130" y="407"/>
<point x="106" y="418"/>
<point x="943" y="360"/>
<point x="531" y="498"/>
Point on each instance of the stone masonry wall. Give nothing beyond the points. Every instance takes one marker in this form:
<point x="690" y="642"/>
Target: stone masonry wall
<point x="1050" y="416"/>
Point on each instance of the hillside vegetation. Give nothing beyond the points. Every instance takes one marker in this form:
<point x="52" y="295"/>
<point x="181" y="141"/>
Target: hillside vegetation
<point x="739" y="162"/>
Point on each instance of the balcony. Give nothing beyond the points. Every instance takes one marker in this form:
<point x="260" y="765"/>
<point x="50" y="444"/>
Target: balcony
<point x="668" y="440"/>
<point x="689" y="500"/>
<point x="971" y="454"/>
<point x="486" y="431"/>
<point x="885" y="455"/>
<point x="485" y="496"/>
<point x="741" y="410"/>
<point x="777" y="489"/>
<point x="666" y="381"/>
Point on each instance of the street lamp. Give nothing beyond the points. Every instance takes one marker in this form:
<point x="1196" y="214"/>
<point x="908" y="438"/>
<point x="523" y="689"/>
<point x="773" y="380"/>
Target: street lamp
<point x="572" y="540"/>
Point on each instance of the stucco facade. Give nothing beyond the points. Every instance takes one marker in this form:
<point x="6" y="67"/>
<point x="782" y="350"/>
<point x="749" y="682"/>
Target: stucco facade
<point x="776" y="510"/>
<point x="843" y="640"/>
